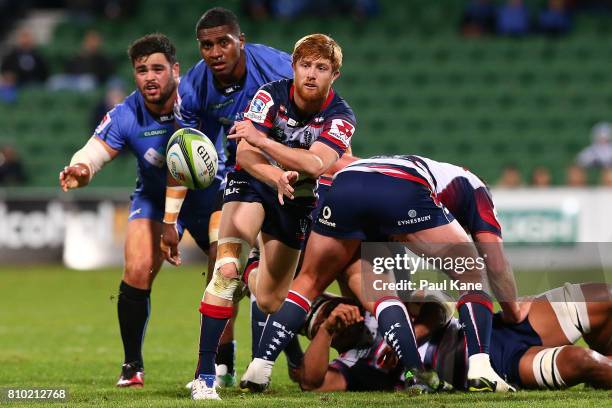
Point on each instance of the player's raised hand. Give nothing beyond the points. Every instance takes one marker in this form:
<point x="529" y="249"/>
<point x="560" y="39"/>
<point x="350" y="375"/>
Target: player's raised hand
<point x="169" y="244"/>
<point x="283" y="185"/>
<point x="74" y="177"/>
<point x="341" y="317"/>
<point x="245" y="130"/>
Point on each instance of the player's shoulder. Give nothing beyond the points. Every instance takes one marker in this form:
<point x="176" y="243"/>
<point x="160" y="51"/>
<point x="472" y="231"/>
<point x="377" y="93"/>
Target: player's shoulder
<point x="265" y="52"/>
<point x="194" y="76"/>
<point x="338" y="106"/>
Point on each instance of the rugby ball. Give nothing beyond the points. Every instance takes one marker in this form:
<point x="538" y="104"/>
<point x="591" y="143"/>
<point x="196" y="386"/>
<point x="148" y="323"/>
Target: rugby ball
<point x="192" y="158"/>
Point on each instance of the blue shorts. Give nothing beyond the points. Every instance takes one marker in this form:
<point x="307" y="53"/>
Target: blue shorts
<point x="509" y="342"/>
<point x="287" y="223"/>
<point x="195" y="212"/>
<point x="373" y="206"/>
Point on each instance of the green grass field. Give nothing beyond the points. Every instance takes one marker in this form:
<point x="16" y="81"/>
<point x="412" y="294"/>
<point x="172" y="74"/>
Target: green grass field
<point x="58" y="328"/>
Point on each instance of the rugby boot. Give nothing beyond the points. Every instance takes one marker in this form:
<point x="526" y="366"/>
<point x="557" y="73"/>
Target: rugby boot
<point x="132" y="375"/>
<point x="257" y="376"/>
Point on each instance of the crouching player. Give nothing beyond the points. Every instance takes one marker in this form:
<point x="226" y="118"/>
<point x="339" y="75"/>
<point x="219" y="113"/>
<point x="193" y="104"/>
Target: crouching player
<point x="143" y="123"/>
<point x="535" y="354"/>
<point x="300" y="125"/>
<point x="366" y="202"/>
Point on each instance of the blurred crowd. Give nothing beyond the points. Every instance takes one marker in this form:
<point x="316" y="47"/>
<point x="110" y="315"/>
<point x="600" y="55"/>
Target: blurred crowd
<point x="595" y="159"/>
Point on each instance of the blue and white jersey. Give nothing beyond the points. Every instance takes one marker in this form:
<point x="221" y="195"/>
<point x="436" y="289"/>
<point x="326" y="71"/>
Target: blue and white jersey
<point x="273" y="112"/>
<point x="203" y="104"/>
<point x="130" y="125"/>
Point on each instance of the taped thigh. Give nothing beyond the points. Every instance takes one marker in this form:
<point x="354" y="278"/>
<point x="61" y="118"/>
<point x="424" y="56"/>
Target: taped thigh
<point x="568" y="304"/>
<point x="545" y="369"/>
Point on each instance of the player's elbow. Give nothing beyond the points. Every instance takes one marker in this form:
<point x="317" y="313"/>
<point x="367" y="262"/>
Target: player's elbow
<point x="314" y="167"/>
<point x="310" y="382"/>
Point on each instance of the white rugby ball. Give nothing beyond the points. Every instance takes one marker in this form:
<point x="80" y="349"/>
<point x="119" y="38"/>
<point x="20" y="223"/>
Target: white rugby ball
<point x="192" y="158"/>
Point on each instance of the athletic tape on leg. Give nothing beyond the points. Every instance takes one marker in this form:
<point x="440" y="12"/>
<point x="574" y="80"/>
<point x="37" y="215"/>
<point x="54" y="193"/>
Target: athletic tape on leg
<point x="229" y="250"/>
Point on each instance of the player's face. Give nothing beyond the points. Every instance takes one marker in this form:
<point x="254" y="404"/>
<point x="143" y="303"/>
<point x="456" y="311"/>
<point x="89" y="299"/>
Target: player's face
<point x="313" y="78"/>
<point x="156" y="78"/>
<point x="221" y="48"/>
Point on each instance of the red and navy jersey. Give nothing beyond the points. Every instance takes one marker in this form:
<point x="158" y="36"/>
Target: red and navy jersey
<point x="273" y="111"/>
<point x="463" y="193"/>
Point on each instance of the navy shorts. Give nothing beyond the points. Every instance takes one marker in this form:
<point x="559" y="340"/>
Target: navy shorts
<point x="364" y="377"/>
<point x="287" y="223"/>
<point x="373" y="206"/>
<point x="195" y="212"/>
<point x="509" y="342"/>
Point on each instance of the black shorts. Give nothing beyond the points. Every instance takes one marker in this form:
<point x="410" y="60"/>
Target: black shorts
<point x="288" y="223"/>
<point x="373" y="206"/>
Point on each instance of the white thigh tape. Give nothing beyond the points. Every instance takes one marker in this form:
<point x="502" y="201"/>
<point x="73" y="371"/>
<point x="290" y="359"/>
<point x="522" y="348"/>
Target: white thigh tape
<point x="570" y="308"/>
<point x="545" y="369"/>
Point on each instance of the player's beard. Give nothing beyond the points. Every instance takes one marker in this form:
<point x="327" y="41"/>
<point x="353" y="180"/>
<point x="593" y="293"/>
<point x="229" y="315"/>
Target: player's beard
<point x="311" y="97"/>
<point x="164" y="94"/>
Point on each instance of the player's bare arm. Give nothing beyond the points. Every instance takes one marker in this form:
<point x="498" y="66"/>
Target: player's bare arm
<point x="313" y="162"/>
<point x="175" y="195"/>
<point x="316" y="375"/>
<point x="252" y="160"/>
<point x="85" y="163"/>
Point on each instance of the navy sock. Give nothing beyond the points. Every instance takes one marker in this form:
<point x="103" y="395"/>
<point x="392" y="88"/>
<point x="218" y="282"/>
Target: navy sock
<point x="476" y="316"/>
<point x="214" y="319"/>
<point x="133" y="309"/>
<point x="282" y="326"/>
<point x="258" y="321"/>
<point x="227" y="355"/>
<point x="395" y="326"/>
<point x="294" y="353"/>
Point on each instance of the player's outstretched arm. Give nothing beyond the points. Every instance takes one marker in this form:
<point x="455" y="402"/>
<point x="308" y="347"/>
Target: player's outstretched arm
<point x="175" y="195"/>
<point x="85" y="163"/>
<point x="500" y="277"/>
<point x="313" y="162"/>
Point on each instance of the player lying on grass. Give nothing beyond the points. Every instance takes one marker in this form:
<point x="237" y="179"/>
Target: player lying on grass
<point x="371" y="200"/>
<point x="142" y="124"/>
<point x="300" y="125"/>
<point x="535" y="354"/>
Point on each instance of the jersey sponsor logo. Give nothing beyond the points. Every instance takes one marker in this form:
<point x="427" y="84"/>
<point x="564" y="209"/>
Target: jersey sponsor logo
<point x="326" y="213"/>
<point x="155" y="158"/>
<point x="342" y="130"/>
<point x="259" y="107"/>
<point x="221" y="105"/>
<point x="106" y="120"/>
<point x="156" y="132"/>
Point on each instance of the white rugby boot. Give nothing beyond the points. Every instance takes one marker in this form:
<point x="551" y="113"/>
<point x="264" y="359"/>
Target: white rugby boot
<point x="482" y="378"/>
<point x="257" y="376"/>
<point x="201" y="391"/>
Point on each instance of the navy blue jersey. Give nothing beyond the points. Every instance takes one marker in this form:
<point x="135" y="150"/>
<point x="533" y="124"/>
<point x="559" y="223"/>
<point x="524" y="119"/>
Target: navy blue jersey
<point x="273" y="111"/>
<point x="130" y="125"/>
<point x="203" y="104"/>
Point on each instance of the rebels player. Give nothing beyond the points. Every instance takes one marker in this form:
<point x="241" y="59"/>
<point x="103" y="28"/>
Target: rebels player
<point x="368" y="201"/>
<point x="143" y="123"/>
<point x="302" y="126"/>
<point x="211" y="96"/>
<point x="536" y="354"/>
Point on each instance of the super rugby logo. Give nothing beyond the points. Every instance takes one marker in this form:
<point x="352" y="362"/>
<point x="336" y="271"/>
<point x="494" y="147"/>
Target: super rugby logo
<point x="259" y="107"/>
<point x="342" y="130"/>
<point x="210" y="167"/>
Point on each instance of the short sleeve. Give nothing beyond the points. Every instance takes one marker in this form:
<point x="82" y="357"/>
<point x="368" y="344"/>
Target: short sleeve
<point x="186" y="108"/>
<point x="337" y="133"/>
<point x="262" y="109"/>
<point x="109" y="130"/>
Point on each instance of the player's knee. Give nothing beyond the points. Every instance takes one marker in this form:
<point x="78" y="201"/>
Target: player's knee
<point x="583" y="360"/>
<point x="269" y="304"/>
<point x="139" y="273"/>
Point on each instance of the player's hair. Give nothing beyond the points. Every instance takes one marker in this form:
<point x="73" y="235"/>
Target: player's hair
<point x="218" y="16"/>
<point x="317" y="46"/>
<point x="151" y="44"/>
